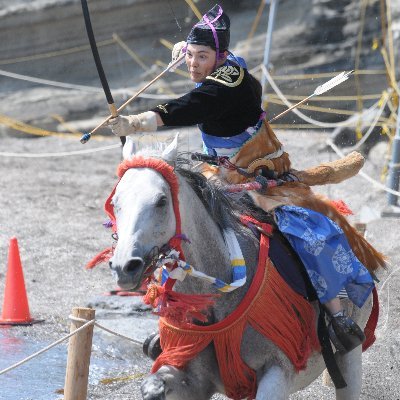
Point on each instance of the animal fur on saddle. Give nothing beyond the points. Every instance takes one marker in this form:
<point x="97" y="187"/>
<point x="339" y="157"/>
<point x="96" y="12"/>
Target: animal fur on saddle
<point x="264" y="145"/>
<point x="264" y="150"/>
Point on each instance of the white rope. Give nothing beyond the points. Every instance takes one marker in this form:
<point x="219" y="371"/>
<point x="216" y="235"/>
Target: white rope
<point x="72" y="318"/>
<point x="60" y="154"/>
<point x="38" y="353"/>
<point x="84" y="326"/>
<point x="84" y="88"/>
<point x="49" y="83"/>
<point x="384" y="326"/>
<point x="375" y="121"/>
<point x="363" y="174"/>
<point x="300" y="114"/>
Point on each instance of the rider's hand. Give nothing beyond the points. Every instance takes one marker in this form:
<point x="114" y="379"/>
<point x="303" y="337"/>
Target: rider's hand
<point x="122" y="125"/>
<point x="178" y="50"/>
<point x="131" y="124"/>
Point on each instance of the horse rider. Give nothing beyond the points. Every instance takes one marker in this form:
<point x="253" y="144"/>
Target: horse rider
<point x="226" y="106"/>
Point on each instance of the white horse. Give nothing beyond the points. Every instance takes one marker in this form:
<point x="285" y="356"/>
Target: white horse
<point x="145" y="220"/>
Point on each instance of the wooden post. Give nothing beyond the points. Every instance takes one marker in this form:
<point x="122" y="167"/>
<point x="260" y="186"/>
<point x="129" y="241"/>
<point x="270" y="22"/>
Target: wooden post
<point x="79" y="349"/>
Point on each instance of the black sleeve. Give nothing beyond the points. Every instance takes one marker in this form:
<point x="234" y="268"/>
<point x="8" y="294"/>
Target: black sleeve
<point x="198" y="106"/>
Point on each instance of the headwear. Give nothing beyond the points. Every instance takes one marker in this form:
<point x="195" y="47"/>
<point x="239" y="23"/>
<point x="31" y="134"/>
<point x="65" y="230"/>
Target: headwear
<point x="212" y="30"/>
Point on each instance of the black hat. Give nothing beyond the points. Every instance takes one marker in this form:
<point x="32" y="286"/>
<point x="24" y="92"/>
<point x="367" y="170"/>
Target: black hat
<point x="212" y="30"/>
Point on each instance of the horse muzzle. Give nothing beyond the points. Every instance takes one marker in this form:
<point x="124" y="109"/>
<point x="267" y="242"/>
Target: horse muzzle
<point x="128" y="275"/>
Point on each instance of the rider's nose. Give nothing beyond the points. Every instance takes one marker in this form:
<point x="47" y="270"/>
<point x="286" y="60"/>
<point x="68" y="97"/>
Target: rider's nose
<point x="133" y="265"/>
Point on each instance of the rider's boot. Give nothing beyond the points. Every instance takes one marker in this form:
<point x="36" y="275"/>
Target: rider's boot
<point x="344" y="333"/>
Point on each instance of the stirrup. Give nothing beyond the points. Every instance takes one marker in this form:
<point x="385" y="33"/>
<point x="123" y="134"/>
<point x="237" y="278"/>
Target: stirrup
<point x="152" y="346"/>
<point x="345" y="334"/>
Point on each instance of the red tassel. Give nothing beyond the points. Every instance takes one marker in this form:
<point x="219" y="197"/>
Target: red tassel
<point x="179" y="308"/>
<point x="341" y="206"/>
<point x="104" y="256"/>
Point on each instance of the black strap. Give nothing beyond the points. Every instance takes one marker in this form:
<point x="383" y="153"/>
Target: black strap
<point x="327" y="352"/>
<point x="323" y="334"/>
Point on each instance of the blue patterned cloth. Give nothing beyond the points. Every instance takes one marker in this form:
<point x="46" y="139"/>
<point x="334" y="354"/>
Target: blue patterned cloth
<point x="325" y="252"/>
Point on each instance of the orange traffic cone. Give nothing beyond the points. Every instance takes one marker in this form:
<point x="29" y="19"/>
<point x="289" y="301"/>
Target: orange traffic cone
<point x="15" y="305"/>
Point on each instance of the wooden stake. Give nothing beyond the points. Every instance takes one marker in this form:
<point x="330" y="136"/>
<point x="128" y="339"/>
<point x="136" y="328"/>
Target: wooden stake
<point x="79" y="350"/>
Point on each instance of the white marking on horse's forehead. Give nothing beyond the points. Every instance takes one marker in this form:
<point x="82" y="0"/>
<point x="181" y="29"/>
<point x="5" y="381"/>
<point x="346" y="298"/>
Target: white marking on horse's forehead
<point x="141" y="181"/>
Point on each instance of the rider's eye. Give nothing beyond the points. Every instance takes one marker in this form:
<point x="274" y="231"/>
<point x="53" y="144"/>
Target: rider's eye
<point x="161" y="202"/>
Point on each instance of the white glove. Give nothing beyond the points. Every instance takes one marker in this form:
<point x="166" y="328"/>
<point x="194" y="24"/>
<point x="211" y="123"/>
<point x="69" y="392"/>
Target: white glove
<point x="178" y="50"/>
<point x="130" y="124"/>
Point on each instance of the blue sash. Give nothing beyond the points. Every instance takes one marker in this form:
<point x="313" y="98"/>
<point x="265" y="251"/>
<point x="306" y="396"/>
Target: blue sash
<point x="325" y="252"/>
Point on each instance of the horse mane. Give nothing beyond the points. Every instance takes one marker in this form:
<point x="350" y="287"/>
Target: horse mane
<point x="226" y="209"/>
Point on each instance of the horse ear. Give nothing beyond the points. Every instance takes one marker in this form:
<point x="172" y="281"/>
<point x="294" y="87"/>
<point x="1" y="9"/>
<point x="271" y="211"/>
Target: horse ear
<point x="129" y="148"/>
<point x="171" y="151"/>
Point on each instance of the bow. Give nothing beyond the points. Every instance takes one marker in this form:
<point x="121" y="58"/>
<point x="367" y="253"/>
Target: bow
<point x="99" y="67"/>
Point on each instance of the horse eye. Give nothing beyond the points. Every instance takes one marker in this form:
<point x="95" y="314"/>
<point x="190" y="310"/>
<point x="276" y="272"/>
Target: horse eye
<point x="161" y="202"/>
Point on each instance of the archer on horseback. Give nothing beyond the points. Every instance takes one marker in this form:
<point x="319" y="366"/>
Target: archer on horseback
<point x="226" y="105"/>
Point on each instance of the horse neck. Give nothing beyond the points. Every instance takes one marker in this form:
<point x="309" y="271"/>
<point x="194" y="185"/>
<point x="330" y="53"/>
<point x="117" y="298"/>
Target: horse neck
<point x="207" y="251"/>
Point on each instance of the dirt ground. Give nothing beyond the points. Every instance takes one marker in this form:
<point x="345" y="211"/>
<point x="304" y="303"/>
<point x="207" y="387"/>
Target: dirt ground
<point x="53" y="205"/>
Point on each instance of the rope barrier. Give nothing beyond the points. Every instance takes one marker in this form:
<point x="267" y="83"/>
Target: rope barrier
<point x="300" y="114"/>
<point x="93" y="89"/>
<point x="131" y="53"/>
<point x="63" y="339"/>
<point x="48" y="82"/>
<point x="56" y="53"/>
<point x="328" y="74"/>
<point x="32" y="130"/>
<point x="373" y="125"/>
<point x="38" y="353"/>
<point x="195" y="10"/>
<point x="328" y="98"/>
<point x="72" y="318"/>
<point x="363" y="174"/>
<point x="59" y="154"/>
<point x="313" y="127"/>
<point x="327" y="110"/>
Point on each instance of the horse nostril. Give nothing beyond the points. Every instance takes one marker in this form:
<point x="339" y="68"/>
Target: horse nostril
<point x="133" y="265"/>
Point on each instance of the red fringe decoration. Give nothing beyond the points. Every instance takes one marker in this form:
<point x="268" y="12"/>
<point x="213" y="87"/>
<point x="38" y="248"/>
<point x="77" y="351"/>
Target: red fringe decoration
<point x="179" y="308"/>
<point x="342" y="207"/>
<point x="104" y="256"/>
<point x="270" y="306"/>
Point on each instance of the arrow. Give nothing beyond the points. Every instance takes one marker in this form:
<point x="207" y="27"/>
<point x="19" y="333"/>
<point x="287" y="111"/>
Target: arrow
<point x="338" y="79"/>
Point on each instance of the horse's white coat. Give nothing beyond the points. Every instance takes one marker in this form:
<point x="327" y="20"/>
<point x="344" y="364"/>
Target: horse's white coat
<point x="144" y="222"/>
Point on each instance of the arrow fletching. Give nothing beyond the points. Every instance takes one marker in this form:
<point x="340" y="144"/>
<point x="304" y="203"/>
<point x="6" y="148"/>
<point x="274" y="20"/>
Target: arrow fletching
<point x="343" y="76"/>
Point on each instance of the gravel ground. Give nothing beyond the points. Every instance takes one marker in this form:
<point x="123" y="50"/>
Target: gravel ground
<point x="53" y="205"/>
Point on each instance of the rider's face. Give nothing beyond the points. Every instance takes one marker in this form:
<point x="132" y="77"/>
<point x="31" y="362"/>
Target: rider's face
<point x="200" y="61"/>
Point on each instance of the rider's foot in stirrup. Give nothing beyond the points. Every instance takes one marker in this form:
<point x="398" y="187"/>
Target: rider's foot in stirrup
<point x="344" y="333"/>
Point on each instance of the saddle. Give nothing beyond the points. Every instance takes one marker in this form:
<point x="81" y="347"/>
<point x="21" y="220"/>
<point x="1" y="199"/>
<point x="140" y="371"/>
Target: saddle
<point x="264" y="155"/>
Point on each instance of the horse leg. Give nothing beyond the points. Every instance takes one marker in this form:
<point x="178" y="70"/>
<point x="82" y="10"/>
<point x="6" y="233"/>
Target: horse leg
<point x="274" y="384"/>
<point x="350" y="364"/>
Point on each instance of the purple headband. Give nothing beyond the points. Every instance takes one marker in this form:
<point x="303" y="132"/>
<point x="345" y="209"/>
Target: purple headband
<point x="214" y="32"/>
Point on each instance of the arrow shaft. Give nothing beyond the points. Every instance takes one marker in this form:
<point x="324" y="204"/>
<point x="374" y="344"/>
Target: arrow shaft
<point x="291" y="108"/>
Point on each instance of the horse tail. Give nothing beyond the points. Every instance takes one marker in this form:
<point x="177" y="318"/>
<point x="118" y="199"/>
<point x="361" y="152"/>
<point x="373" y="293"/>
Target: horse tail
<point x="365" y="252"/>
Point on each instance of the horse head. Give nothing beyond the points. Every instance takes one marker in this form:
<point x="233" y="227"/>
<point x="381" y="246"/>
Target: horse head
<point x="143" y="208"/>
